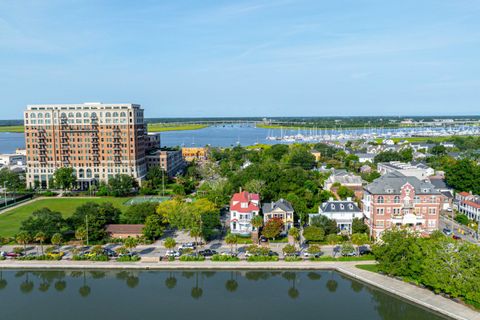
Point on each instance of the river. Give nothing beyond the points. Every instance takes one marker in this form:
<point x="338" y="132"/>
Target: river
<point x="232" y="295"/>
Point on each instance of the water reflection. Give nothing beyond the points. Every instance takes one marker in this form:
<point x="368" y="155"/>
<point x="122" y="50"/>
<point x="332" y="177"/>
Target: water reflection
<point x="260" y="290"/>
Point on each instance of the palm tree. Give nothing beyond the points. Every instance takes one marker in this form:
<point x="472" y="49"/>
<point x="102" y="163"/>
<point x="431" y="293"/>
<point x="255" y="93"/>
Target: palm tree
<point x="57" y="239"/>
<point x="130" y="243"/>
<point x="23" y="238"/>
<point x="171" y="281"/>
<point x="41" y="237"/>
<point x="80" y="235"/>
<point x="195" y="232"/>
<point x="294" y="233"/>
<point x="169" y="243"/>
<point x="231" y="240"/>
<point x="232" y="284"/>
<point x="85" y="289"/>
<point x="197" y="292"/>
<point x="257" y="223"/>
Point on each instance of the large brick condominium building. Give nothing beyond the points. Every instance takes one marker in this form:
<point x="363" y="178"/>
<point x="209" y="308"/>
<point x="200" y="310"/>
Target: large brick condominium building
<point x="397" y="200"/>
<point x="97" y="140"/>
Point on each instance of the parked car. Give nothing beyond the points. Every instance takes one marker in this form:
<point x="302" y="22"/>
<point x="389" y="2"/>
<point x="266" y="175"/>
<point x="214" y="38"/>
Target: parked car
<point x="230" y="254"/>
<point x="13" y="254"/>
<point x="273" y="253"/>
<point x="456" y="237"/>
<point x="307" y="254"/>
<point x="110" y="252"/>
<point x="188" y="245"/>
<point x="207" y="252"/>
<point x="3" y="254"/>
<point x="364" y="250"/>
<point x="172" y="253"/>
<point x="349" y="254"/>
<point x="263" y="239"/>
<point x="447" y="231"/>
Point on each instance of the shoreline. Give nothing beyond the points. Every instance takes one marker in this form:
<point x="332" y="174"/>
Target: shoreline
<point x="402" y="290"/>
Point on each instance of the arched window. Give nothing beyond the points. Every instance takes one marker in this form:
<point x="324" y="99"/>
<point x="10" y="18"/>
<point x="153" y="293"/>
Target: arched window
<point x="396" y="199"/>
<point x="94" y="114"/>
<point x="89" y="173"/>
<point x="115" y="114"/>
<point x="123" y="114"/>
<point x="33" y="115"/>
<point x="85" y="114"/>
<point x="64" y="115"/>
<point x="70" y="114"/>
<point x="40" y="115"/>
<point x="78" y="115"/>
<point x="80" y="173"/>
<point x="108" y="114"/>
<point x="380" y="199"/>
<point x="47" y="115"/>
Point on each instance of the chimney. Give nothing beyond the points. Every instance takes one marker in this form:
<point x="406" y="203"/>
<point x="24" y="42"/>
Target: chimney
<point x="349" y="199"/>
<point x="330" y="199"/>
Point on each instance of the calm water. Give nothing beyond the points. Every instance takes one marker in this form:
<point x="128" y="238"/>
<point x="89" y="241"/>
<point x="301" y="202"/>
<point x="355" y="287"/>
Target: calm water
<point x="232" y="295"/>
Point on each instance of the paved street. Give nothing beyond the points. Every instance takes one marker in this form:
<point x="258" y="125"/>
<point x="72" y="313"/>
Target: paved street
<point x="467" y="234"/>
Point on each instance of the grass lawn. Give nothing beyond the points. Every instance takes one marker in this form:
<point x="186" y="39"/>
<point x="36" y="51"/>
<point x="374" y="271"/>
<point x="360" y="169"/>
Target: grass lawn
<point x="368" y="267"/>
<point x="160" y="127"/>
<point x="11" y="128"/>
<point x="10" y="221"/>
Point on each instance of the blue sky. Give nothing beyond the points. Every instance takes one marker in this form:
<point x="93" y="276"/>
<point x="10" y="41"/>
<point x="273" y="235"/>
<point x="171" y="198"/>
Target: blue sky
<point x="243" y="58"/>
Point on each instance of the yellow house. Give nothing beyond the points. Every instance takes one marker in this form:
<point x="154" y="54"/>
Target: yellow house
<point x="281" y="209"/>
<point x="194" y="153"/>
<point x="316" y="154"/>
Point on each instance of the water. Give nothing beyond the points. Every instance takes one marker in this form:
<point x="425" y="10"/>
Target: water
<point x="10" y="141"/>
<point x="51" y="295"/>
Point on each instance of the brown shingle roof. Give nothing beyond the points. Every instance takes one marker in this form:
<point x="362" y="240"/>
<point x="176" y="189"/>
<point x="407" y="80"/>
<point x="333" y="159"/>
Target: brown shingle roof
<point x="125" y="228"/>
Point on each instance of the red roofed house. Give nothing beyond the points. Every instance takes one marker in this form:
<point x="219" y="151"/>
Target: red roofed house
<point x="469" y="205"/>
<point x="243" y="207"/>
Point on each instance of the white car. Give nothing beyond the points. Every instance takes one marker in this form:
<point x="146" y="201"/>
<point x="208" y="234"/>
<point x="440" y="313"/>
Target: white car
<point x="188" y="245"/>
<point x="172" y="253"/>
<point x="307" y="254"/>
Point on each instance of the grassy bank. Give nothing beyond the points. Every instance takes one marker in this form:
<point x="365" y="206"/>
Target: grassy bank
<point x="420" y="139"/>
<point x="11" y="129"/>
<point x="161" y="127"/>
<point x="11" y="221"/>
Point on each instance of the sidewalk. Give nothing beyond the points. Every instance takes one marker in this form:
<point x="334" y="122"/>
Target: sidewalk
<point x="417" y="295"/>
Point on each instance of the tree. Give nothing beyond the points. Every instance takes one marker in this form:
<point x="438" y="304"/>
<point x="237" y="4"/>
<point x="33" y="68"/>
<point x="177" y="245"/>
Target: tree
<point x="347" y="248"/>
<point x="154" y="227"/>
<point x="463" y="175"/>
<point x="358" y="226"/>
<point x="272" y="228"/>
<point x="23" y="238"/>
<point x="314" y="250"/>
<point x="231" y="240"/>
<point x="57" y="239"/>
<point x="130" y="243"/>
<point x="255" y="185"/>
<point x="462" y="219"/>
<point x="138" y="213"/>
<point x="359" y="239"/>
<point x="289" y="250"/>
<point x="345" y="192"/>
<point x="295" y="234"/>
<point x="44" y="220"/>
<point x="81" y="234"/>
<point x="328" y="225"/>
<point x="97" y="216"/>
<point x="64" y="178"/>
<point x="300" y="156"/>
<point x="40" y="237"/>
<point x="313" y="233"/>
<point x="169" y="243"/>
<point x="11" y="180"/>
<point x="438" y="150"/>
<point x="257" y="222"/>
<point x="121" y="185"/>
<point x="333" y="238"/>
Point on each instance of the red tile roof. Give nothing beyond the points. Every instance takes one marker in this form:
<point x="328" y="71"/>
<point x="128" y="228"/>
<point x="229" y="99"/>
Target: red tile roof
<point x="244" y="196"/>
<point x="464" y="194"/>
<point x="473" y="204"/>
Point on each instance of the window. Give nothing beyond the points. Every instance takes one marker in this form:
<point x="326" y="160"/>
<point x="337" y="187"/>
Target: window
<point x="381" y="199"/>
<point x="396" y="199"/>
<point x="78" y="115"/>
<point x="85" y="114"/>
<point x="33" y="115"/>
<point x="108" y="114"/>
<point x="432" y="211"/>
<point x="380" y="223"/>
<point x="380" y="211"/>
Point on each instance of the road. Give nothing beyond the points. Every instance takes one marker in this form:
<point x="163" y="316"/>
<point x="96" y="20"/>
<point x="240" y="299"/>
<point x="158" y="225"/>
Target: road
<point x="467" y="234"/>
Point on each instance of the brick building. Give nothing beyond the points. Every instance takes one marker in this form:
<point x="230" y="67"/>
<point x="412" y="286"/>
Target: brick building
<point x="97" y="140"/>
<point x="169" y="160"/>
<point x="397" y="200"/>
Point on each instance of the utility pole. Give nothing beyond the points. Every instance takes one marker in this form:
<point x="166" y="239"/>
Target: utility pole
<point x="86" y="223"/>
<point x="163" y="182"/>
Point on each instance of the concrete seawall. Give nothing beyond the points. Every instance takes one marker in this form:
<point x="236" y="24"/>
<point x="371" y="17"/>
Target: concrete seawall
<point x="408" y="292"/>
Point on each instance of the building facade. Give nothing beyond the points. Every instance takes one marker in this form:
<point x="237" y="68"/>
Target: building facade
<point x="468" y="204"/>
<point x="343" y="212"/>
<point x="97" y="140"/>
<point x="194" y="154"/>
<point x="171" y="161"/>
<point x="243" y="207"/>
<point x="397" y="200"/>
<point x="418" y="170"/>
<point x="281" y="209"/>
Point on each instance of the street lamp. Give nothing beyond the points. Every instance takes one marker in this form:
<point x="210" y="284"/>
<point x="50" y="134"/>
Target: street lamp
<point x="5" y="192"/>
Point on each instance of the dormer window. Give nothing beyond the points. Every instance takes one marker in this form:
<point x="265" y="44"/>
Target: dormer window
<point x="342" y="207"/>
<point x="333" y="207"/>
<point x="350" y="206"/>
<point x="244" y="205"/>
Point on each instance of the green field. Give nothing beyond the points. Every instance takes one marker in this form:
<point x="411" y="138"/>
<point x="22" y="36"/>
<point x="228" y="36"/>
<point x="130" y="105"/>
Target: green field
<point x="161" y="127"/>
<point x="11" y="128"/>
<point x="10" y="221"/>
<point x="368" y="267"/>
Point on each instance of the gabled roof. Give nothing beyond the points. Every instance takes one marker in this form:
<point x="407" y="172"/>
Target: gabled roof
<point x="392" y="182"/>
<point x="282" y="204"/>
<point x="244" y="197"/>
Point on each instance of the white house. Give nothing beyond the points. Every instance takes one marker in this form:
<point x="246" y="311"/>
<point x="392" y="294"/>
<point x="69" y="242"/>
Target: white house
<point x="243" y="207"/>
<point x="343" y="212"/>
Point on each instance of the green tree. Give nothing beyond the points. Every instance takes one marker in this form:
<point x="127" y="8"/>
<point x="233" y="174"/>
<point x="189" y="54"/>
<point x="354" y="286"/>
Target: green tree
<point x="314" y="249"/>
<point x="289" y="250"/>
<point x="328" y="225"/>
<point x="333" y="238"/>
<point x="462" y="219"/>
<point x="97" y="216"/>
<point x="121" y="185"/>
<point x="11" y="180"/>
<point x="313" y="233"/>
<point x="57" y="239"/>
<point x="130" y="243"/>
<point x="154" y="227"/>
<point x="272" y="228"/>
<point x="231" y="240"/>
<point x="44" y="220"/>
<point x="255" y="185"/>
<point x="64" y="178"/>
<point x="138" y="213"/>
<point x="295" y="234"/>
<point x="23" y="238"/>
<point x="300" y="156"/>
<point x="358" y="226"/>
<point x="257" y="222"/>
<point x="40" y="237"/>
<point x="169" y="243"/>
<point x="359" y="239"/>
<point x="81" y="234"/>
<point x="345" y="192"/>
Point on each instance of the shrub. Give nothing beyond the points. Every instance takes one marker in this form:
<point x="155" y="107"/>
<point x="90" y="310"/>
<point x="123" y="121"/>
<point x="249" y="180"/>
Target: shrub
<point x="262" y="258"/>
<point x="192" y="258"/>
<point x="222" y="257"/>
<point x="293" y="259"/>
<point x="128" y="258"/>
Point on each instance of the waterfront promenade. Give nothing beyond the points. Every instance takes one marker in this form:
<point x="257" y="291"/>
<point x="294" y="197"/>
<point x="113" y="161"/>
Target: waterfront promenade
<point x="409" y="292"/>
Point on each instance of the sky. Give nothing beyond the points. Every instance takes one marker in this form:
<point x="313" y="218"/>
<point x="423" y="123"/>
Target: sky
<point x="202" y="58"/>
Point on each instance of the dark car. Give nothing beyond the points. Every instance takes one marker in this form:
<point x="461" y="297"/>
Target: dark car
<point x="456" y="237"/>
<point x="263" y="239"/>
<point x="364" y="250"/>
<point x="13" y="255"/>
<point x="110" y="252"/>
<point x="207" y="252"/>
<point x="272" y="253"/>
